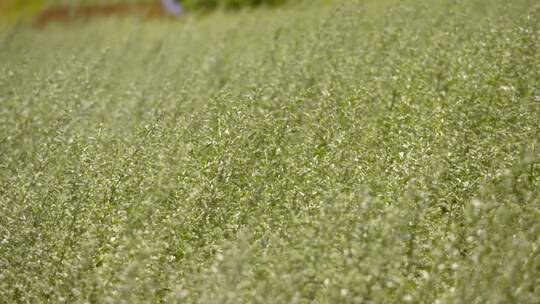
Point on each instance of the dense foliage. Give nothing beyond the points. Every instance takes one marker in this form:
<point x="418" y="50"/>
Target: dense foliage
<point x="356" y="153"/>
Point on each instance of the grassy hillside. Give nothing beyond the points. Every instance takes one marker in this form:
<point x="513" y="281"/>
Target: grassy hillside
<point x="351" y="153"/>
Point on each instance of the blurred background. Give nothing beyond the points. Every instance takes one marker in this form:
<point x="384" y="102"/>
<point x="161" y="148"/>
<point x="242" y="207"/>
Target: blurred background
<point x="13" y="11"/>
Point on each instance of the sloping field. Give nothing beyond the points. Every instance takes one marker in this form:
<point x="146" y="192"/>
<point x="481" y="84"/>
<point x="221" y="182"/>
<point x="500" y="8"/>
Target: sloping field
<point x="347" y="153"/>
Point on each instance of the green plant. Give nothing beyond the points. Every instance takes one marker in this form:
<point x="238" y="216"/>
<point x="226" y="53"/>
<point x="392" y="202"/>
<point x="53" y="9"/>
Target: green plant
<point x="361" y="152"/>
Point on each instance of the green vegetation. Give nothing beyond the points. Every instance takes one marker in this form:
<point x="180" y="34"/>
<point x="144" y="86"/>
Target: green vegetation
<point x="11" y="11"/>
<point x="350" y="153"/>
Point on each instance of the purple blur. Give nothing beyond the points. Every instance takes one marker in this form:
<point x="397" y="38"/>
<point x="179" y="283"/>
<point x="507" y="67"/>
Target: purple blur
<point x="172" y="7"/>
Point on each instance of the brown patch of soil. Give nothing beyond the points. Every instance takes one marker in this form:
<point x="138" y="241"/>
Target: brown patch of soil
<point x="66" y="15"/>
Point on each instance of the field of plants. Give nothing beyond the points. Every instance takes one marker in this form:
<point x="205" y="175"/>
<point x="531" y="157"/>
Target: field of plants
<point x="353" y="152"/>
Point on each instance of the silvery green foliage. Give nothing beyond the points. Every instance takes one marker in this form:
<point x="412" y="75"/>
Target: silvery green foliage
<point x="363" y="152"/>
